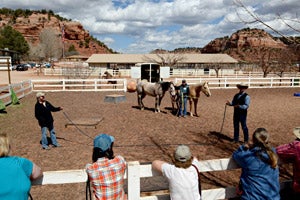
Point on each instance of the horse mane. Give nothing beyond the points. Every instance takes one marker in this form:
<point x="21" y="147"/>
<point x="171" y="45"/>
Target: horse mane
<point x="165" y="85"/>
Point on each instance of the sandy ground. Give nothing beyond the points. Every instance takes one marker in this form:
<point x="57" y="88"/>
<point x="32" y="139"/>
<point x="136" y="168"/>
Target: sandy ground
<point x="142" y="135"/>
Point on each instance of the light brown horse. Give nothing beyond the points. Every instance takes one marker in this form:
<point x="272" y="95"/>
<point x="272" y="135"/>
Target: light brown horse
<point x="194" y="95"/>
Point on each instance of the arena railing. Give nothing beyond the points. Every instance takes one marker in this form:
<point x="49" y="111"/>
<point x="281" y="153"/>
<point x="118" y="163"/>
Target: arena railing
<point x="20" y="89"/>
<point x="252" y="82"/>
<point x="120" y="85"/>
<point x="135" y="171"/>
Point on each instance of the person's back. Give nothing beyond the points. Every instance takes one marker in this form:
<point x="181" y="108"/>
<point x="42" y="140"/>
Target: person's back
<point x="16" y="173"/>
<point x="106" y="173"/>
<point x="15" y="178"/>
<point x="258" y="178"/>
<point x="260" y="174"/>
<point x="183" y="183"/>
<point x="182" y="175"/>
<point x="290" y="153"/>
<point x="107" y="177"/>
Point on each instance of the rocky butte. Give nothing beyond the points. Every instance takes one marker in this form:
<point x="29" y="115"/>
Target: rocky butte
<point x="74" y="33"/>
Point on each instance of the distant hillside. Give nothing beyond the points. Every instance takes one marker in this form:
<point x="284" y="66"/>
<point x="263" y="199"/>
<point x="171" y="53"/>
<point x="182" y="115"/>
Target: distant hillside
<point x="31" y="23"/>
<point x="241" y="44"/>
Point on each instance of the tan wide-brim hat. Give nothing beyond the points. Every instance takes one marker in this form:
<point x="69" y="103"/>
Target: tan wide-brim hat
<point x="297" y="132"/>
<point x="242" y="85"/>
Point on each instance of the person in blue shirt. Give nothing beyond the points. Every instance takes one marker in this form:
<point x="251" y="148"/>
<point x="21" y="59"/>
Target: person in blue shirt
<point x="184" y="93"/>
<point x="259" y="163"/>
<point x="16" y="173"/>
<point x="240" y="102"/>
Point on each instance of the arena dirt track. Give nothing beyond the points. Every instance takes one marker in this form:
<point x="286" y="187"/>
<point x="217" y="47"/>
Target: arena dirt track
<point x="143" y="135"/>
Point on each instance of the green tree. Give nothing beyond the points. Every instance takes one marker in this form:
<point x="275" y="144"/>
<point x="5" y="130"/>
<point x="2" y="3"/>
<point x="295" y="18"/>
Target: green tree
<point x="13" y="40"/>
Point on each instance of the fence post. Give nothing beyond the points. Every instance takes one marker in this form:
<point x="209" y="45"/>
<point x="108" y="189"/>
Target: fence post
<point x="64" y="85"/>
<point x="125" y="85"/>
<point x="133" y="180"/>
<point x="271" y="84"/>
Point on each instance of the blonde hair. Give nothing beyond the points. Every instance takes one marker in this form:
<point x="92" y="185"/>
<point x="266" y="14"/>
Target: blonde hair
<point x="261" y="139"/>
<point x="4" y="145"/>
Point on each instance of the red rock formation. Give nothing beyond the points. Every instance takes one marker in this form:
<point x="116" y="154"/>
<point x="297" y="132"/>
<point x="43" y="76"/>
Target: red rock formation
<point x="31" y="27"/>
<point x="240" y="44"/>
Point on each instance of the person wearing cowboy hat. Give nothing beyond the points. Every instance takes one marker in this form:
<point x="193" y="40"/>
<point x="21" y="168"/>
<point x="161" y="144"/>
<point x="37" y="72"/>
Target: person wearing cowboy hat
<point x="290" y="153"/>
<point x="240" y="102"/>
<point x="43" y="114"/>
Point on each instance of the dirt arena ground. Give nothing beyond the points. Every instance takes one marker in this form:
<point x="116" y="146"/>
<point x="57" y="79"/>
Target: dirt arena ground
<point x="143" y="135"/>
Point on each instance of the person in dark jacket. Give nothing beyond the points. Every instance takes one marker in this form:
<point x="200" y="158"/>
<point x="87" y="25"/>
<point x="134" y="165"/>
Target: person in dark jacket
<point x="240" y="102"/>
<point x="43" y="114"/>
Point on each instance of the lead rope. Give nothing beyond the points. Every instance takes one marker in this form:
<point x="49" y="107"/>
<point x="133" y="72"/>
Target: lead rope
<point x="30" y="197"/>
<point x="65" y="114"/>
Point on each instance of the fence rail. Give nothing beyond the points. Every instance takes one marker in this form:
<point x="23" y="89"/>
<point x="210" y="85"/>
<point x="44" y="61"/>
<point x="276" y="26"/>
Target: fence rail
<point x="20" y="89"/>
<point x="253" y="82"/>
<point x="57" y="85"/>
<point x="135" y="171"/>
<point x="74" y="85"/>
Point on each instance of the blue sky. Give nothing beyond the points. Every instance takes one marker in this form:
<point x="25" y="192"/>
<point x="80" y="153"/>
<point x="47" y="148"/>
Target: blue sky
<point x="140" y="26"/>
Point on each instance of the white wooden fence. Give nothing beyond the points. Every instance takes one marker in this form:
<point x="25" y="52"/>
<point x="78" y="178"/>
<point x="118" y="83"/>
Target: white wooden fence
<point x="186" y="72"/>
<point x="21" y="89"/>
<point x="74" y="85"/>
<point x="56" y="85"/>
<point x="135" y="171"/>
<point x="121" y="84"/>
<point x="252" y="82"/>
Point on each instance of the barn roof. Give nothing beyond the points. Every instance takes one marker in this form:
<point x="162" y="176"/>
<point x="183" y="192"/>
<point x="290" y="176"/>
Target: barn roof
<point x="142" y="58"/>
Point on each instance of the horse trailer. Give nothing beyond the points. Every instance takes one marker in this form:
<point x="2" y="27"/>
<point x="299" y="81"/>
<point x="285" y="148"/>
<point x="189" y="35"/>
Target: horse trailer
<point x="152" y="72"/>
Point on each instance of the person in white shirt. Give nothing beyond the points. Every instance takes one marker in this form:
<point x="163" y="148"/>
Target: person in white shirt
<point x="182" y="174"/>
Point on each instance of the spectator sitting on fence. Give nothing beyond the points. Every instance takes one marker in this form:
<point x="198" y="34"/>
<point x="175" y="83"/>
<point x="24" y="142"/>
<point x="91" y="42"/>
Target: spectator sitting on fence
<point x="290" y="153"/>
<point x="184" y="183"/>
<point x="16" y="173"/>
<point x="260" y="174"/>
<point x="106" y="173"/>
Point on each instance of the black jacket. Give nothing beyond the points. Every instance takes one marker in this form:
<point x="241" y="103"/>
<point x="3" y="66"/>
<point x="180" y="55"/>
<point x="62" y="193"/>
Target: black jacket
<point x="43" y="113"/>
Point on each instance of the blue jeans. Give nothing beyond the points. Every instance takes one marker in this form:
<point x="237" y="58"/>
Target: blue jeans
<point x="182" y="112"/>
<point x="52" y="136"/>
<point x="237" y="120"/>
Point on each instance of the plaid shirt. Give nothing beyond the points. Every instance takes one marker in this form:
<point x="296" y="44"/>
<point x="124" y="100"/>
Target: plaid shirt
<point x="107" y="178"/>
<point x="291" y="153"/>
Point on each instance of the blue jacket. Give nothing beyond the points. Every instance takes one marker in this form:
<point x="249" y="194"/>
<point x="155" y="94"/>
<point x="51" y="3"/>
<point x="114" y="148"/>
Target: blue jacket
<point x="259" y="180"/>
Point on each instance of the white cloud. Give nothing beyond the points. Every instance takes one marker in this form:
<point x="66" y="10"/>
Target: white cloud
<point x="163" y="23"/>
<point x="108" y="41"/>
